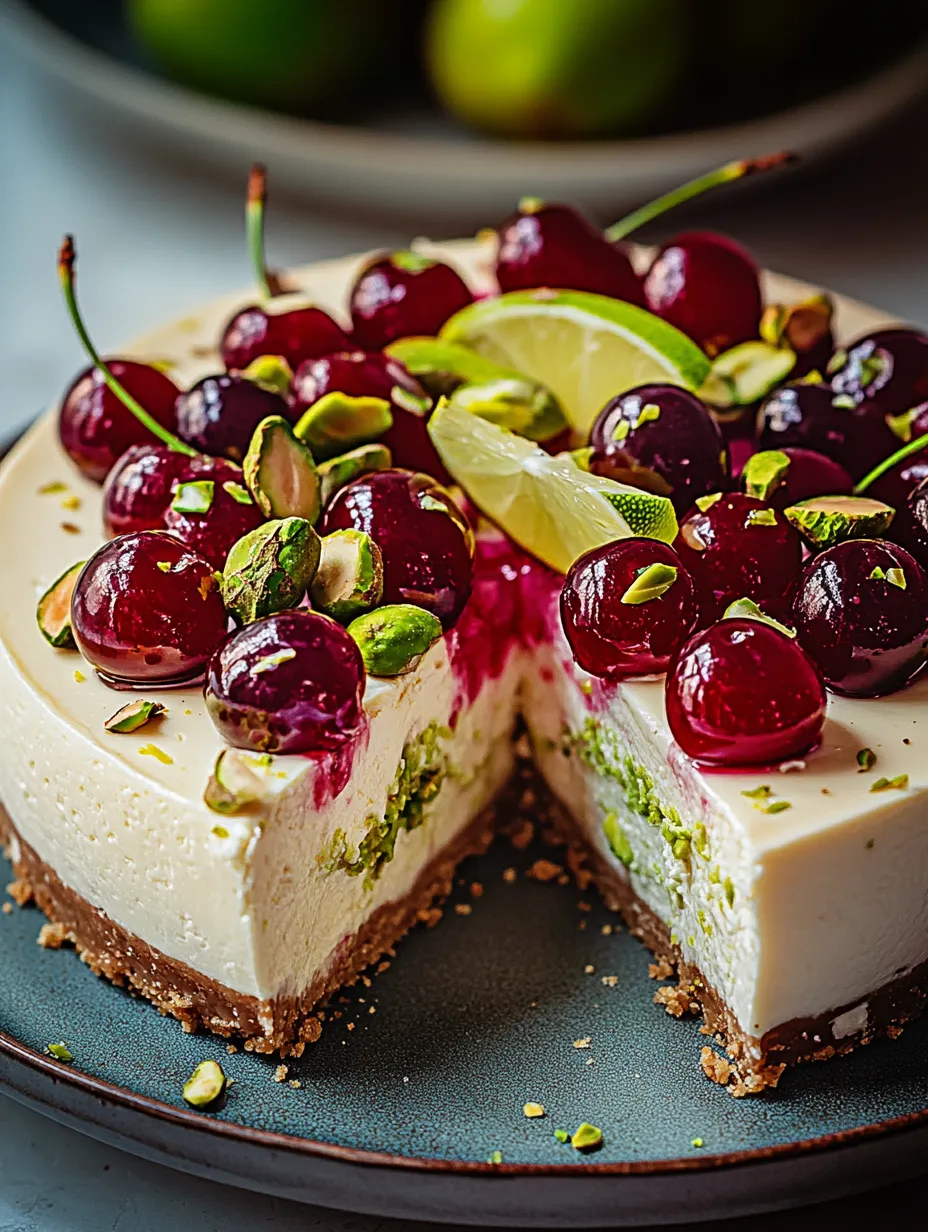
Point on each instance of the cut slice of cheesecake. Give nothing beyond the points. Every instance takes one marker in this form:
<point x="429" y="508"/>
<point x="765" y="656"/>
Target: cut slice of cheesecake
<point x="798" y="931"/>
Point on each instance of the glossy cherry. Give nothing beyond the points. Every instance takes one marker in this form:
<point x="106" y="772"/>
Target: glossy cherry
<point x="230" y="515"/>
<point x="887" y="368"/>
<point x="544" y="245"/>
<point x="291" y="683"/>
<point x="219" y="414"/>
<point x="146" y="610"/>
<point x="709" y="287"/>
<point x="94" y="426"/>
<point x="296" y="334"/>
<point x="809" y="474"/>
<point x="861" y="611"/>
<point x="426" y="542"/>
<point x="741" y="693"/>
<point x="376" y="375"/>
<point x="612" y="637"/>
<point x="897" y="488"/>
<point x="738" y="547"/>
<point x="138" y="489"/>
<point x="663" y="439"/>
<point x="402" y="294"/>
<point x="814" y="416"/>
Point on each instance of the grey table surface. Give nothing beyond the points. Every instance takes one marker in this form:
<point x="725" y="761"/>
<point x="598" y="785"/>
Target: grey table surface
<point x="157" y="237"/>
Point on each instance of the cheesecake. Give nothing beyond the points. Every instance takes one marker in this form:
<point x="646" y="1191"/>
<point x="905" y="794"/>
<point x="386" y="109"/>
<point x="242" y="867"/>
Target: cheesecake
<point x="789" y="898"/>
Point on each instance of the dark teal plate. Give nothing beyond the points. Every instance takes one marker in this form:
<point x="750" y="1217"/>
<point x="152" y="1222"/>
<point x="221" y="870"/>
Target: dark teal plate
<point x="424" y="1076"/>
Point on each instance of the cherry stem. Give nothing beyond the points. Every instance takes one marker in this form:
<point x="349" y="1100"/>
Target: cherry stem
<point x="67" y="257"/>
<point x="888" y="463"/>
<point x="693" y="188"/>
<point x="254" y="226"/>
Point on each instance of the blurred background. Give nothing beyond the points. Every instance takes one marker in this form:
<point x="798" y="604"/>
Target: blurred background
<point x="133" y="123"/>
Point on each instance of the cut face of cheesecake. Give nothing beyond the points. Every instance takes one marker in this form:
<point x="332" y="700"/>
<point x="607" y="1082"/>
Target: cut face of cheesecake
<point x="794" y="901"/>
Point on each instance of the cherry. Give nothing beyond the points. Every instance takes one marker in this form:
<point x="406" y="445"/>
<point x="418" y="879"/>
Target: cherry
<point x="96" y="428"/>
<point x="662" y="439"/>
<point x="290" y="683"/>
<point x="807" y="415"/>
<point x="375" y="375"/>
<point x="737" y="547"/>
<point x="219" y="414"/>
<point x="426" y="542"/>
<point x="230" y="514"/>
<point x="146" y="610"/>
<point x="888" y="368"/>
<point x="897" y="488"/>
<point x="808" y="474"/>
<point x="612" y="633"/>
<point x="544" y="245"/>
<point x="741" y="693"/>
<point x="139" y="487"/>
<point x="861" y="611"/>
<point x="297" y="334"/>
<point x="403" y="294"/>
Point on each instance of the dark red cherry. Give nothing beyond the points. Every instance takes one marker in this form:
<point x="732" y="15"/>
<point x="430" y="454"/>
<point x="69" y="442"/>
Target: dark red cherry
<point x="616" y="631"/>
<point x="291" y="683"/>
<point x="738" y="547"/>
<point x="816" y="417"/>
<point x="426" y="542"/>
<point x="546" y="245"/>
<point x="230" y="512"/>
<point x="219" y="414"/>
<point x="94" y="426"/>
<point x="896" y="488"/>
<point x="888" y="368"/>
<point x="861" y="611"/>
<point x="741" y="693"/>
<point x="709" y="287"/>
<point x="808" y="474"/>
<point x="147" y="610"/>
<point x="298" y="334"/>
<point x="663" y="439"/>
<point x="402" y="294"/>
<point x="372" y="374"/>
<point x="916" y="518"/>
<point x="138" y="489"/>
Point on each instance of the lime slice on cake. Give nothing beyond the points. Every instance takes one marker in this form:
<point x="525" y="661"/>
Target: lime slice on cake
<point x="548" y="505"/>
<point x="585" y="348"/>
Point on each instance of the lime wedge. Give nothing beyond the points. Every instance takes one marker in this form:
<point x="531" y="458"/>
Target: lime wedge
<point x="548" y="505"/>
<point x="585" y="348"/>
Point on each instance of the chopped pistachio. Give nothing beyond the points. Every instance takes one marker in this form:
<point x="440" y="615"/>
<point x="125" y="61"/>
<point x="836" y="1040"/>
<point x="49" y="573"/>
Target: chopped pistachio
<point x="205" y="1084"/>
<point x="843" y="402"/>
<point x="269" y="569"/>
<point x="764" y="472"/>
<point x="349" y="580"/>
<point x="392" y="639"/>
<point x="697" y="1143"/>
<point x="901" y="425"/>
<point x="704" y="503"/>
<point x="79" y="676"/>
<point x="562" y="1135"/>
<point x="133" y="716"/>
<point x="280" y="472"/>
<point x="238" y="492"/>
<point x="729" y="887"/>
<point x="747" y="609"/>
<point x="71" y="502"/>
<point x="276" y="659"/>
<point x="194" y="496"/>
<point x="877" y="574"/>
<point x="495" y="1157"/>
<point x="533" y="1110"/>
<point x="338" y="422"/>
<point x="650" y="413"/>
<point x="651" y="583"/>
<point x="164" y="565"/>
<point x="152" y="750"/>
<point x="763" y="792"/>
<point x="61" y="1052"/>
<point x="234" y="784"/>
<point x="899" y="783"/>
<point x="775" y="806"/>
<point x="896" y="577"/>
<point x="271" y="372"/>
<point x="416" y="404"/>
<point x="761" y="517"/>
<point x="586" y="1137"/>
<point x="53" y="611"/>
<point x="824" y="521"/>
<point x="51" y="489"/>
<point x="746" y="373"/>
<point x="799" y="326"/>
<point x="866" y="760"/>
<point x="336" y="472"/>
<point x="621" y="430"/>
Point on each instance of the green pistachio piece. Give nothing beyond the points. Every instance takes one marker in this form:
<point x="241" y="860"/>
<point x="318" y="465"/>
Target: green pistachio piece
<point x="562" y="1135"/>
<point x="747" y="609"/>
<point x="866" y="760"/>
<point x="824" y="521"/>
<point x="270" y="372"/>
<point x="902" y="425"/>
<point x="899" y="783"/>
<point x="349" y="580"/>
<point x="270" y="569"/>
<point x="194" y="497"/>
<point x="704" y="503"/>
<point x="581" y="457"/>
<point x="586" y="1137"/>
<point x="394" y="638"/>
<point x="761" y="517"/>
<point x="234" y="783"/>
<point x="764" y="472"/>
<point x="130" y="718"/>
<point x="896" y="577"/>
<point x="205" y="1084"/>
<point x="281" y="473"/>
<point x="53" y="611"/>
<point x="61" y="1052"/>
<point x="239" y="494"/>
<point x="746" y="373"/>
<point x="650" y="583"/>
<point x="335" y="473"/>
<point x="799" y="326"/>
<point x="338" y="422"/>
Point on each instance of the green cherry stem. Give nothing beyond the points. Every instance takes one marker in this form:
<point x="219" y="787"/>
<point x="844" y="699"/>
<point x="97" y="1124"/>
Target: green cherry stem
<point x="67" y="257"/>
<point x="254" y="226"/>
<point x="737" y="170"/>
<point x="888" y="463"/>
